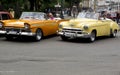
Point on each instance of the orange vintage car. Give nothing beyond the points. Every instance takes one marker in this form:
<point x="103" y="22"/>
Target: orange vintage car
<point x="32" y="24"/>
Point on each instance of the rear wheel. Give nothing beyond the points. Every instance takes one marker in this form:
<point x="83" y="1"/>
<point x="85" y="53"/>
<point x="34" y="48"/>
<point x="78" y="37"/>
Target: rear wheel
<point x="113" y="34"/>
<point x="38" y="35"/>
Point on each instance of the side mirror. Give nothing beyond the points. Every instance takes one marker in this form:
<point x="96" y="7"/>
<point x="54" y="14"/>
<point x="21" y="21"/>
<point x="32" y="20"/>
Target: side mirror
<point x="102" y="19"/>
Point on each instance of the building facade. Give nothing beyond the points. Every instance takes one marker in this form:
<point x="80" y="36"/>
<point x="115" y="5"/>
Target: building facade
<point x="102" y="4"/>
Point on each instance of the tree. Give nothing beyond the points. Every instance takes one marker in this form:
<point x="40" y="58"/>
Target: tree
<point x="13" y="4"/>
<point x="32" y="3"/>
<point x="35" y="5"/>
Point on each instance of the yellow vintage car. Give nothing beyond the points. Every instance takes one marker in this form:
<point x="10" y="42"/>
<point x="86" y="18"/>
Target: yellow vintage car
<point x="87" y="25"/>
<point x="32" y="24"/>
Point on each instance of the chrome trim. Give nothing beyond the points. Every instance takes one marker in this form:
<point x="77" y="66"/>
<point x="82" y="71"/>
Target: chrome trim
<point x="71" y="28"/>
<point x="2" y="32"/>
<point x="27" y="34"/>
<point x="75" y="35"/>
<point x="74" y="32"/>
<point x="17" y="33"/>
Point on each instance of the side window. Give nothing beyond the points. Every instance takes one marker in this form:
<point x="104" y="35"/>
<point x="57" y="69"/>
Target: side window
<point x="5" y="16"/>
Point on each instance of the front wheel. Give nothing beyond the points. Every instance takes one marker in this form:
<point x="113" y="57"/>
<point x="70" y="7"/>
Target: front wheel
<point x="38" y="35"/>
<point x="8" y="37"/>
<point x="92" y="37"/>
<point x="64" y="38"/>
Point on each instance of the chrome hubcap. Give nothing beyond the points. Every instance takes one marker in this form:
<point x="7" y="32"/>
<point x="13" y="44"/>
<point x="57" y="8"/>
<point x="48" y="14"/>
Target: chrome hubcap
<point x="38" y="35"/>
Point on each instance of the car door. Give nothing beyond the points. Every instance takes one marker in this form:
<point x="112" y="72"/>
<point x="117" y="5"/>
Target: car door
<point x="106" y="24"/>
<point x="102" y="28"/>
<point x="51" y="26"/>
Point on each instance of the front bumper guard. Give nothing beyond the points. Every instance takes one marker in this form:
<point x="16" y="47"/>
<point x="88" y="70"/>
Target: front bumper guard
<point x="74" y="35"/>
<point x="16" y="33"/>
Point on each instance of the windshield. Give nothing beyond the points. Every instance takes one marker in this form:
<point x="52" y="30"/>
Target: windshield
<point x="88" y="15"/>
<point x="33" y="15"/>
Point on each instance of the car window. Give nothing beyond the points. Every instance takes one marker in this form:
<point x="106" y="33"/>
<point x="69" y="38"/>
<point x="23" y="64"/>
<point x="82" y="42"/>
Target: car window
<point x="33" y="15"/>
<point x="5" y="16"/>
<point x="88" y="15"/>
<point x="96" y="16"/>
<point x="81" y="15"/>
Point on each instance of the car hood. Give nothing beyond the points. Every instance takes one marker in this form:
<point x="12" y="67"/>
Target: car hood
<point x="19" y="23"/>
<point x="79" y="22"/>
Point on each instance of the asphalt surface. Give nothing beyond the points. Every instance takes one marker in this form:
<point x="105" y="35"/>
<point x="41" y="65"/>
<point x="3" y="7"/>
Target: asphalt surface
<point x="52" y="56"/>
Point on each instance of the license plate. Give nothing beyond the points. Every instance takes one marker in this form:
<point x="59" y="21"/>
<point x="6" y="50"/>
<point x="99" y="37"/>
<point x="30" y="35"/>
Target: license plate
<point x="12" y="32"/>
<point x="70" y="34"/>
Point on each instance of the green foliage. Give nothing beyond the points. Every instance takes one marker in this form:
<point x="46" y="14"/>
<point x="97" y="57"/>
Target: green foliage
<point x="37" y="4"/>
<point x="10" y="3"/>
<point x="34" y="5"/>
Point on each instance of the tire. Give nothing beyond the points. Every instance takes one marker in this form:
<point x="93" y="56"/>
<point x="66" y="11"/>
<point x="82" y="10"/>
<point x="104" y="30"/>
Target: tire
<point x="92" y="37"/>
<point x="113" y="34"/>
<point x="38" y="35"/>
<point x="8" y="37"/>
<point x="64" y="38"/>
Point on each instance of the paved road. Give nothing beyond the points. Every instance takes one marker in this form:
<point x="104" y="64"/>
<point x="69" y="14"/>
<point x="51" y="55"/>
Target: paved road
<point x="51" y="56"/>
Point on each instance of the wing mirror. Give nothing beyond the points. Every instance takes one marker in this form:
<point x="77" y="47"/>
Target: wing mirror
<point x="102" y="18"/>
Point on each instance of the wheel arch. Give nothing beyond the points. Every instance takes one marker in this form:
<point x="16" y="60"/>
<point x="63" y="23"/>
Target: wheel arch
<point x="94" y="30"/>
<point x="41" y="31"/>
<point x="112" y="30"/>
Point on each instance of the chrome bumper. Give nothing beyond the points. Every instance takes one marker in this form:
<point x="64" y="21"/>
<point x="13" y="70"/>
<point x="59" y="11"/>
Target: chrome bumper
<point x="74" y="35"/>
<point x="2" y="32"/>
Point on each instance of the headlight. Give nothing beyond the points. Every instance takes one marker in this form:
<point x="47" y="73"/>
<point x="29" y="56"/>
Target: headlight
<point x="26" y="26"/>
<point x="85" y="27"/>
<point x="1" y="24"/>
<point x="60" y="26"/>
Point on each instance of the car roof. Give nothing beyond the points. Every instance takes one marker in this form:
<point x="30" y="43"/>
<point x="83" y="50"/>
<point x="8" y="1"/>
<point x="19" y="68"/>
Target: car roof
<point x="2" y="12"/>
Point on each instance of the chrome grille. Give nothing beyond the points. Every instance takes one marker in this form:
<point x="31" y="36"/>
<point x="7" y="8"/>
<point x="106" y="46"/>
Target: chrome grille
<point x="68" y="29"/>
<point x="16" y="29"/>
<point x="12" y="29"/>
<point x="72" y="30"/>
